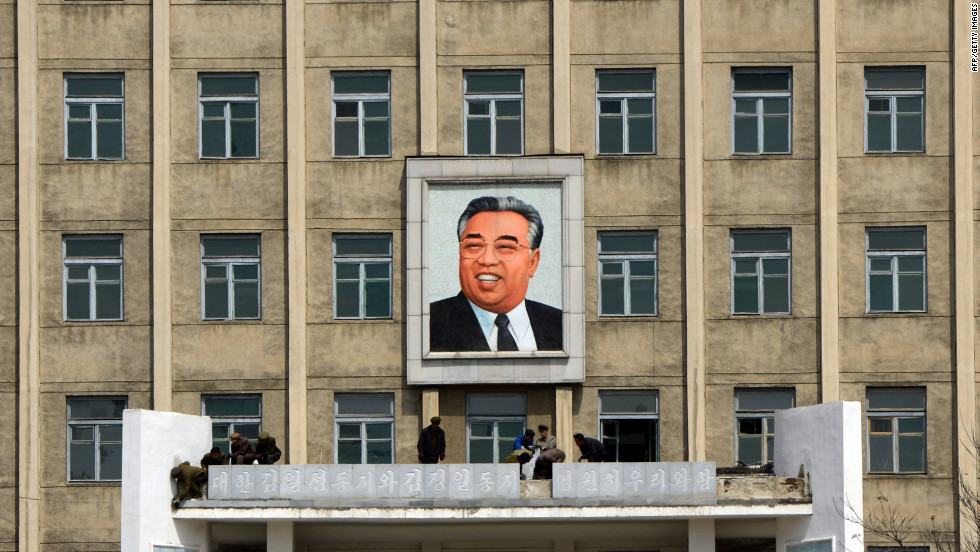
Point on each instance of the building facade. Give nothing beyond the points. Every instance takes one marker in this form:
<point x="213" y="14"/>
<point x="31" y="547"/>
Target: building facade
<point x="222" y="208"/>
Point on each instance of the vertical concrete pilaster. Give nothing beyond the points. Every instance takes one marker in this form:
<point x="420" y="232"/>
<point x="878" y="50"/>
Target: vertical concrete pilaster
<point x="701" y="535"/>
<point x="694" y="229"/>
<point x="296" y="227"/>
<point x="28" y="284"/>
<point x="162" y="224"/>
<point x="430" y="404"/>
<point x="563" y="419"/>
<point x="828" y="232"/>
<point x="279" y="536"/>
<point x="428" y="87"/>
<point x="561" y="76"/>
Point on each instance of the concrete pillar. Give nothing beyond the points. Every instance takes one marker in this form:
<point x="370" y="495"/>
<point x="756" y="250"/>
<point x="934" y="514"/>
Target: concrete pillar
<point x="561" y="75"/>
<point x="563" y="429"/>
<point x="701" y="535"/>
<point x="428" y="87"/>
<point x="279" y="536"/>
<point x="430" y="404"/>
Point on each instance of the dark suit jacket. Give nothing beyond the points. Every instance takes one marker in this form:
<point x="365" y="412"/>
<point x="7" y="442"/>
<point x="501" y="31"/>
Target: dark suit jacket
<point x="453" y="326"/>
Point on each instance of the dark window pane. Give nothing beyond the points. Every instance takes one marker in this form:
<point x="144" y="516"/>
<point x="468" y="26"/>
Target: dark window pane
<point x="377" y="299"/>
<point x="481" y="451"/>
<point x="643" y="268"/>
<point x="776" y="106"/>
<point x="751" y="81"/>
<point x="354" y="83"/>
<point x="750" y="426"/>
<point x="746" y="135"/>
<point x="348" y="452"/>
<point x="349" y="431"/>
<point x="640" y="134"/>
<point x="510" y="108"/>
<point x="246" y="272"/>
<point x="911" y="425"/>
<point x="896" y="239"/>
<point x="108" y="301"/>
<point x="746" y="106"/>
<point x="348" y="271"/>
<point x="626" y="81"/>
<point x="775" y="296"/>
<point x="110" y="461"/>
<point x="83" y="433"/>
<point x="911" y="296"/>
<point x="95" y="86"/>
<point x="96" y="408"/>
<point x="610" y="107"/>
<point x="496" y="405"/>
<point x="81" y="112"/>
<point x="478" y="136"/>
<point x="232" y="405"/>
<point x="612" y="269"/>
<point x="378" y="431"/>
<point x="750" y="449"/>
<point x="908" y="132"/>
<point x="215" y="300"/>
<point x="746" y="294"/>
<point x="109" y="111"/>
<point x="110" y="140"/>
<point x="214" y="110"/>
<point x="213" y="139"/>
<point x="880" y="453"/>
<point x="351" y="246"/>
<point x="77" y="301"/>
<point x="881" y="265"/>
<point x="244" y="141"/>
<point x="346" y="138"/>
<point x="775" y="266"/>
<point x="78" y="272"/>
<point x="508" y="136"/>
<point x="880" y="105"/>
<point x="376" y="109"/>
<point x="897" y="398"/>
<point x="354" y="405"/>
<point x="908" y="105"/>
<point x="229" y="85"/>
<point x="379" y="452"/>
<point x="230" y="246"/>
<point x="611" y="135"/>
<point x="493" y="82"/>
<point x="376" y="137"/>
<point x="879" y="132"/>
<point x="636" y="242"/>
<point x="911" y="453"/>
<point x="760" y="241"/>
<point x="643" y="296"/>
<point x="640" y="106"/>
<point x="894" y="79"/>
<point x="377" y="270"/>
<point x="246" y="300"/>
<point x="82" y="464"/>
<point x="880" y="292"/>
<point x="911" y="264"/>
<point x="478" y="107"/>
<point x="628" y="402"/>
<point x="613" y="296"/>
<point x="216" y="272"/>
<point x="775" y="134"/>
<point x="348" y="302"/>
<point x="763" y="399"/>
<point x="746" y="266"/>
<point x="346" y="109"/>
<point x="478" y="429"/>
<point x="79" y="140"/>
<point x="243" y="110"/>
<point x="93" y="247"/>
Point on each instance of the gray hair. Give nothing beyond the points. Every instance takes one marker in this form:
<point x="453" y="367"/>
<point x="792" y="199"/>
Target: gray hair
<point x="535" y="230"/>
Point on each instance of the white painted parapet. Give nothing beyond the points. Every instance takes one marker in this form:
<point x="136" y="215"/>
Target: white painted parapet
<point x="153" y="443"/>
<point x="822" y="443"/>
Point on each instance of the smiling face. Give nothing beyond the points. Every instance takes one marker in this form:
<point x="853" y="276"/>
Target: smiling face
<point x="494" y="285"/>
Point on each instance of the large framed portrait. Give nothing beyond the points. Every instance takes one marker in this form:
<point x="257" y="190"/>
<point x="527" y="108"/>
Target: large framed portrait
<point x="495" y="270"/>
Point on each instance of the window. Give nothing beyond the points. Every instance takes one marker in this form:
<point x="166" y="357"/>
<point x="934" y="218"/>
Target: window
<point x="761" y="111"/>
<point x="494" y="106"/>
<point x="628" y="423"/>
<point x="894" y="102"/>
<point x="362" y="276"/>
<point x="229" y="115"/>
<point x="896" y="430"/>
<point x="94" y="116"/>
<point x="95" y="438"/>
<point x="232" y="414"/>
<point x="625" y="112"/>
<point x="93" y="287"/>
<point x="493" y="422"/>
<point x="754" y="422"/>
<point x="361" y="115"/>
<point x="896" y="269"/>
<point x="365" y="429"/>
<point x="627" y="274"/>
<point x="231" y="277"/>
<point x="760" y="272"/>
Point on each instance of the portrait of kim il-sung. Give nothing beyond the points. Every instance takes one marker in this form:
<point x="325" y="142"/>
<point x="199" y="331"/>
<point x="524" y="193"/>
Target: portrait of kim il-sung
<point x="499" y="253"/>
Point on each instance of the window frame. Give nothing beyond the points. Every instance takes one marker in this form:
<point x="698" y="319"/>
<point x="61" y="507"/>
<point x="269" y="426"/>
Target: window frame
<point x="496" y="420"/>
<point x="231" y="420"/>
<point x="625" y="259"/>
<point x="362" y="420"/>
<point x="92" y="262"/>
<point x="766" y="416"/>
<point x="759" y="96"/>
<point x="227" y="100"/>
<point x="96" y="424"/>
<point x="759" y="257"/>
<point x="229" y="263"/>
<point x="623" y="98"/>
<point x="895" y="255"/>
<point x="92" y="102"/>
<point x="361" y="260"/>
<point x="893" y="95"/>
<point x="492" y="98"/>
<point x="360" y="98"/>
<point x="612" y="416"/>
<point x="894" y="414"/>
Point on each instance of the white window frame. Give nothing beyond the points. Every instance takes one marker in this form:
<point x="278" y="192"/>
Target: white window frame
<point x="230" y="263"/>
<point x="895" y="414"/>
<point x="766" y="415"/>
<point x="892" y="96"/>
<point x="492" y="98"/>
<point x="361" y="260"/>
<point x="230" y="420"/>
<point x="92" y="102"/>
<point x="363" y="420"/>
<point x="895" y="255"/>
<point x="605" y="417"/>
<point x="496" y="420"/>
<point x="624" y="259"/>
<point x="96" y="425"/>
<point x="360" y="98"/>
<point x="227" y="101"/>
<point x="92" y="263"/>
<point x="624" y="109"/>
<point x="760" y="114"/>
<point x="759" y="257"/>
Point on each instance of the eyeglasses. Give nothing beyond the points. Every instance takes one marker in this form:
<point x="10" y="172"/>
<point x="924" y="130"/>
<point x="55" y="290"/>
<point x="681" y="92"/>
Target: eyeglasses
<point x="505" y="250"/>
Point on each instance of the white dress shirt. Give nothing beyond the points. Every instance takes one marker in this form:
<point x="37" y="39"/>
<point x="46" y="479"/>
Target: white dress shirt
<point x="520" y="327"/>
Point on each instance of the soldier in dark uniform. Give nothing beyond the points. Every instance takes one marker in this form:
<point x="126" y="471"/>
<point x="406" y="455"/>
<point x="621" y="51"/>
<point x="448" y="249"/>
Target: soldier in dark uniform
<point x="266" y="451"/>
<point x="190" y="481"/>
<point x="214" y="458"/>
